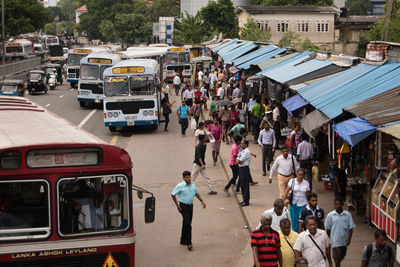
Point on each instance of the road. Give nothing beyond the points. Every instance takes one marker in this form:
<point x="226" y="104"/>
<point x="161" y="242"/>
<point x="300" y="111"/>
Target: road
<point x="159" y="158"/>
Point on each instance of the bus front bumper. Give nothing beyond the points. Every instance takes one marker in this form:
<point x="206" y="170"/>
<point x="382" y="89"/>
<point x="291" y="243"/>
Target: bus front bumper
<point x="90" y="100"/>
<point x="133" y="123"/>
<point x="72" y="80"/>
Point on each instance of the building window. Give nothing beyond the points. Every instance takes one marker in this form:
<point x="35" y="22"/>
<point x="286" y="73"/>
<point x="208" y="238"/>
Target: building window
<point x="302" y="27"/>
<point x="266" y="26"/>
<point x="282" y="27"/>
<point x="322" y="27"/>
<point x="326" y="27"/>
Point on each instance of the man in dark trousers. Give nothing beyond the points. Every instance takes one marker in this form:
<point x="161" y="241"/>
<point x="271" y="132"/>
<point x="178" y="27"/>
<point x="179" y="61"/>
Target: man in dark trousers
<point x="186" y="191"/>
<point x="244" y="172"/>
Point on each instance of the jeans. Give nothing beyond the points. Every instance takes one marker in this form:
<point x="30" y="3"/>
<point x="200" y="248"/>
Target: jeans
<point x="266" y="151"/>
<point x="235" y="174"/>
<point x="187" y="215"/>
<point x="244" y="181"/>
<point x="256" y="130"/>
<point x="177" y="87"/>
<point x="166" y="116"/>
<point x="307" y="165"/>
<point x="294" y="216"/>
<point x="184" y="125"/>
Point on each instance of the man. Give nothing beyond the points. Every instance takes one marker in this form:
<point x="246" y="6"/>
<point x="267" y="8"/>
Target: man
<point x="236" y="92"/>
<point x="206" y="81"/>
<point x="340" y="183"/>
<point x="288" y="239"/>
<point x="177" y="83"/>
<point x="250" y="104"/>
<point x="257" y="112"/>
<point x="213" y="78"/>
<point x="305" y="152"/>
<point x="267" y="142"/>
<point x="199" y="164"/>
<point x="313" y="245"/>
<point x="244" y="172"/>
<point x="234" y="166"/>
<point x="378" y="254"/>
<point x="186" y="191"/>
<point x="339" y="226"/>
<point x="200" y="76"/>
<point x="278" y="212"/>
<point x="184" y="117"/>
<point x="188" y="95"/>
<point x="266" y="244"/>
<point x="286" y="166"/>
<point x="229" y="91"/>
<point x="221" y="92"/>
<point x="276" y="116"/>
<point x="311" y="209"/>
<point x="235" y="130"/>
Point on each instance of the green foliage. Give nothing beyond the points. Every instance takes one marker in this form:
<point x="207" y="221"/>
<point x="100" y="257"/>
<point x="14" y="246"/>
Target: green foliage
<point x="292" y="2"/>
<point x="362" y="44"/>
<point x="359" y="7"/>
<point x="189" y="30"/>
<point x="63" y="27"/>
<point x="289" y="39"/>
<point x="220" y="17"/>
<point x="22" y="16"/>
<point x="106" y="29"/>
<point x="164" y="8"/>
<point x="307" y="45"/>
<point x="393" y="28"/>
<point x="132" y="28"/>
<point x="50" y="28"/>
<point x="252" y="32"/>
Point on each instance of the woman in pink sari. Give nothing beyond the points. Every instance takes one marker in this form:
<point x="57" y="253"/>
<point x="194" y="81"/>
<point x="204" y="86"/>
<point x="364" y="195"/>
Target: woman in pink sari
<point x="216" y="130"/>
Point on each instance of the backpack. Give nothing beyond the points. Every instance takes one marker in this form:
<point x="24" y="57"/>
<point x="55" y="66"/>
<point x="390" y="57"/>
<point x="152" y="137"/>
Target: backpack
<point x="369" y="251"/>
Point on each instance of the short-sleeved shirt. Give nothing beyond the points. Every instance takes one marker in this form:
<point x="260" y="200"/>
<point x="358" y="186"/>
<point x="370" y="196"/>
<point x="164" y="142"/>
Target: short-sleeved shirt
<point x="184" y="111"/>
<point x="197" y="95"/>
<point x="234" y="154"/>
<point x="288" y="256"/>
<point x="318" y="213"/>
<point x="213" y="106"/>
<point x="276" y="220"/>
<point x="299" y="191"/>
<point x="267" y="246"/>
<point x="188" y="94"/>
<point x="200" y="153"/>
<point x="216" y="131"/>
<point x="236" y="129"/>
<point x="378" y="259"/>
<point x="185" y="192"/>
<point x="200" y="75"/>
<point x="177" y="81"/>
<point x="225" y="115"/>
<point x="236" y="92"/>
<point x="309" y="250"/>
<point x="339" y="224"/>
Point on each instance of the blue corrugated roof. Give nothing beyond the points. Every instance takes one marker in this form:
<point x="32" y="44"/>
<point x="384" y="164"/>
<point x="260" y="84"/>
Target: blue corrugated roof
<point x="216" y="49"/>
<point x="229" y="48"/>
<point x="297" y="58"/>
<point x="262" y="58"/>
<point x="354" y="130"/>
<point x="296" y="69"/>
<point x="293" y="103"/>
<point x="259" y="52"/>
<point x="331" y="95"/>
<point x="238" y="52"/>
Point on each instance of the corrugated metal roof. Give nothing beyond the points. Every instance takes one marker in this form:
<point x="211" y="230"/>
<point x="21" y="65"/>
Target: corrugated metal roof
<point x="275" y="61"/>
<point x="259" y="52"/>
<point x="229" y="48"/>
<point x="296" y="69"/>
<point x="297" y="58"/>
<point x="239" y="52"/>
<point x="257" y="60"/>
<point x="331" y="95"/>
<point x="380" y="109"/>
<point x="391" y="128"/>
<point x="216" y="49"/>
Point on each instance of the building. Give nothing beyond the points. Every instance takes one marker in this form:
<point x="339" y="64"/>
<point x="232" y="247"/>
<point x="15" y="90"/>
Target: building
<point x="378" y="6"/>
<point x="78" y="12"/>
<point x="163" y="30"/>
<point x="193" y="6"/>
<point x="317" y="23"/>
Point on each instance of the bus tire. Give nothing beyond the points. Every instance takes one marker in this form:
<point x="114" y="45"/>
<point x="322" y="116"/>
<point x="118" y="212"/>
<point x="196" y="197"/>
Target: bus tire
<point x="154" y="127"/>
<point x="112" y="128"/>
<point x="82" y="104"/>
<point x="73" y="85"/>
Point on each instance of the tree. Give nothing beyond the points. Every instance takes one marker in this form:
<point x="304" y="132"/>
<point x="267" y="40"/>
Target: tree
<point x="359" y="7"/>
<point x="164" y="8"/>
<point x="189" y="30"/>
<point x="220" y="17"/>
<point x="293" y="2"/>
<point x="307" y="45"/>
<point x="289" y="39"/>
<point x="50" y="28"/>
<point x="132" y="28"/>
<point x="393" y="28"/>
<point x="106" y="28"/>
<point x="252" y="32"/>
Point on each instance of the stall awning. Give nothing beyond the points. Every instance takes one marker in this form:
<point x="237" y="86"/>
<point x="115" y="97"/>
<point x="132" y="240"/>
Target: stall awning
<point x="392" y="129"/>
<point x="233" y="70"/>
<point x="229" y="48"/>
<point x="313" y="121"/>
<point x="354" y="130"/>
<point x="239" y="52"/>
<point x="255" y="54"/>
<point x="263" y="65"/>
<point x="216" y="49"/>
<point x="262" y="58"/>
<point x="294" y="103"/>
<point x="297" y="58"/>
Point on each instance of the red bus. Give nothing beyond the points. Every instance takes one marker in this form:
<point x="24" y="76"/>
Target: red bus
<point x="65" y="195"/>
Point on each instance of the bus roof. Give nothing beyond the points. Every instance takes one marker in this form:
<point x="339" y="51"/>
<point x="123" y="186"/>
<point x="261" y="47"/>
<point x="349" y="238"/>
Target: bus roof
<point x="18" y="114"/>
<point x="135" y="52"/>
<point x="19" y="42"/>
<point x="87" y="50"/>
<point x="110" y="58"/>
<point x="150" y="66"/>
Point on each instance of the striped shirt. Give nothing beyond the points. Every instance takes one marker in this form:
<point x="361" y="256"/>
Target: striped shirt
<point x="267" y="246"/>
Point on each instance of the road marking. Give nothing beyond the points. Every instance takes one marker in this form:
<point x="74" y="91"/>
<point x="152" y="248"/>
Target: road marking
<point x="80" y="125"/>
<point x="47" y="105"/>
<point x="61" y="96"/>
<point x="114" y="139"/>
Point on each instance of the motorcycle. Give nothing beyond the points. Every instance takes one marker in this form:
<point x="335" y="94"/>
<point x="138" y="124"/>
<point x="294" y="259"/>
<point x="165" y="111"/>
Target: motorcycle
<point x="52" y="81"/>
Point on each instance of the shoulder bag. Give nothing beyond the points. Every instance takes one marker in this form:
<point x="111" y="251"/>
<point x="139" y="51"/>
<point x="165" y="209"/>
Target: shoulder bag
<point x="289" y="195"/>
<point x="320" y="250"/>
<point x="290" y="245"/>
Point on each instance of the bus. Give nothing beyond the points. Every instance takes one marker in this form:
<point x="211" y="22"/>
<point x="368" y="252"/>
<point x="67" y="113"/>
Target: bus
<point x="90" y="86"/>
<point x="131" y="94"/>
<point x="74" y="59"/>
<point x="19" y="48"/>
<point x="49" y="40"/>
<point x="66" y="196"/>
<point x="177" y="59"/>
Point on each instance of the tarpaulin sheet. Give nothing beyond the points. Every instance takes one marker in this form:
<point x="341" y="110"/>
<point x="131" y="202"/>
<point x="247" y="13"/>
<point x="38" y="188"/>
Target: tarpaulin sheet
<point x="354" y="130"/>
<point x="293" y="103"/>
<point x="313" y="121"/>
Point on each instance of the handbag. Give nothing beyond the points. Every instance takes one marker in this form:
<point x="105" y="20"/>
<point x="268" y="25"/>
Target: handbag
<point x="288" y="143"/>
<point x="289" y="195"/>
<point x="320" y="250"/>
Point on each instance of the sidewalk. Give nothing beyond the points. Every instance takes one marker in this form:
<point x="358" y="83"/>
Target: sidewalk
<point x="263" y="195"/>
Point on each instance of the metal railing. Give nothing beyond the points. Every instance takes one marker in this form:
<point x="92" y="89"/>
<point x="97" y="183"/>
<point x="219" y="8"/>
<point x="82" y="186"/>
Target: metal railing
<point x="18" y="68"/>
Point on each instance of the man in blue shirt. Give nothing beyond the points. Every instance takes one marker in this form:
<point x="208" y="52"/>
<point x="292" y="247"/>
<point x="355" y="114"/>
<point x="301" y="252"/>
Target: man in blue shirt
<point x="339" y="226"/>
<point x="184" y="117"/>
<point x="186" y="191"/>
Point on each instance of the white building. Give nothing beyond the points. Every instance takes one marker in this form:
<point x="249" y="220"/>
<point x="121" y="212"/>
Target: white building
<point x="163" y="30"/>
<point x="193" y="6"/>
<point x="78" y="12"/>
<point x="47" y="3"/>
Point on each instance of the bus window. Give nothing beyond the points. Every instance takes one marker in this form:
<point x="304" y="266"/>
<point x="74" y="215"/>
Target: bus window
<point x="102" y="68"/>
<point x="171" y="57"/>
<point x="75" y="59"/>
<point x="142" y="85"/>
<point x="116" y="86"/>
<point x="184" y="57"/>
<point x="14" y="49"/>
<point x="89" y="72"/>
<point x="93" y="205"/>
<point x="24" y="209"/>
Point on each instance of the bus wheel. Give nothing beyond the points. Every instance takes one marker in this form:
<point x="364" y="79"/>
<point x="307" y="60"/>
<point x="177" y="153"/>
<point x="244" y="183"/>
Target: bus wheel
<point x="154" y="127"/>
<point x="112" y="129"/>
<point x="73" y="85"/>
<point x="82" y="104"/>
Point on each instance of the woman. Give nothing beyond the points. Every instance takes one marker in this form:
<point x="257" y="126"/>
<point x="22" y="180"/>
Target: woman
<point x="199" y="131"/>
<point x="294" y="139"/>
<point x="216" y="131"/>
<point x="225" y="116"/>
<point x="300" y="189"/>
<point x="197" y="111"/>
<point x="166" y="107"/>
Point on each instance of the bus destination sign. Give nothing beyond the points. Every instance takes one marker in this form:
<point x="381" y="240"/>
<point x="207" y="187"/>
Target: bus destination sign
<point x="122" y="70"/>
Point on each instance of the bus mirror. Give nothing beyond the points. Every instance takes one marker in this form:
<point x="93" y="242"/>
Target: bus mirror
<point x="139" y="194"/>
<point x="149" y="209"/>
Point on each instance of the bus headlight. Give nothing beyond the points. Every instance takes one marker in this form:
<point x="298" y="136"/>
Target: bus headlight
<point x="151" y="113"/>
<point x="109" y="114"/>
<point x="115" y="114"/>
<point x="145" y="113"/>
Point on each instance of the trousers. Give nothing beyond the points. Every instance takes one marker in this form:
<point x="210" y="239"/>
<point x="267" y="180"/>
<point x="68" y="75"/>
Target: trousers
<point x="244" y="181"/>
<point x="307" y="165"/>
<point x="266" y="152"/>
<point x="195" y="172"/>
<point x="187" y="215"/>
<point x="177" y="87"/>
<point x="184" y="125"/>
<point x="235" y="174"/>
<point x="283" y="184"/>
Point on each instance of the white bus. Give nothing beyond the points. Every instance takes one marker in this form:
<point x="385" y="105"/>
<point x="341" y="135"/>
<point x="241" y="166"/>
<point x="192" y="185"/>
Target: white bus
<point x="131" y="94"/>
<point x="74" y="60"/>
<point x="177" y="60"/>
<point x="49" y="40"/>
<point x="19" y="48"/>
<point x="90" y="85"/>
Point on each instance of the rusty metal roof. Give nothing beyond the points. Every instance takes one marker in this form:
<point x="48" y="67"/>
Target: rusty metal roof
<point x="380" y="109"/>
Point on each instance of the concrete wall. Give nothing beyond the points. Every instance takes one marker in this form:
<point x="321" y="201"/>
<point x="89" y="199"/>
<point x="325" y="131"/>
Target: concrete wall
<point x="394" y="53"/>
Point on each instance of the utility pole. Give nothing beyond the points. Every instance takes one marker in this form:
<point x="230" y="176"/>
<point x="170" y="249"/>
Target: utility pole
<point x="387" y="19"/>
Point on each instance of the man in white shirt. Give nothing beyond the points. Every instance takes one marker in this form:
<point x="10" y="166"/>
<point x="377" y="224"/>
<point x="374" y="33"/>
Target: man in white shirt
<point x="278" y="212"/>
<point x="221" y="92"/>
<point x="188" y="95"/>
<point x="213" y="78"/>
<point x="236" y="92"/>
<point x="286" y="165"/>
<point x="200" y="75"/>
<point x="177" y="83"/>
<point x="250" y="104"/>
<point x="243" y="160"/>
<point x="267" y="142"/>
<point x="314" y="245"/>
<point x="305" y="152"/>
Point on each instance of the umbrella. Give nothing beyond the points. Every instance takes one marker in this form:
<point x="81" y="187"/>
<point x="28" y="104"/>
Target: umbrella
<point x="223" y="102"/>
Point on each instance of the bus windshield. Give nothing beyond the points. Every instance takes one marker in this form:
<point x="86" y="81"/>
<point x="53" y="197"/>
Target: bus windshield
<point x="24" y="209"/>
<point x="93" y="204"/>
<point x="116" y="86"/>
<point x="102" y="68"/>
<point x="35" y="76"/>
<point x="75" y="59"/>
<point x="9" y="88"/>
<point x="142" y="85"/>
<point x="89" y="72"/>
<point x="14" y="49"/>
<point x="177" y="57"/>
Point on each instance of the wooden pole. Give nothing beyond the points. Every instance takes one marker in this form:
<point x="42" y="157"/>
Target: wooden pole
<point x="388" y="14"/>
